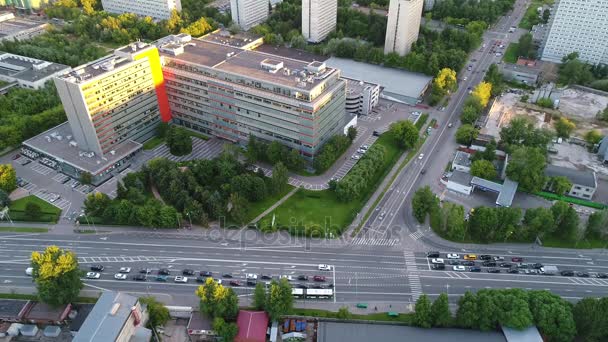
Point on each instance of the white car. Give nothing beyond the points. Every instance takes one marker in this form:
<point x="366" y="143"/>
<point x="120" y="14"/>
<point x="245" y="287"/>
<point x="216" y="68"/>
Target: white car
<point x="356" y="157"/>
<point x="93" y="275"/>
<point x="437" y="261"/>
<point x="324" y="267"/>
<point x="361" y="151"/>
<point x="364" y="147"/>
<point x="459" y="268"/>
<point x="288" y="277"/>
<point x="125" y="270"/>
<point x="421" y="156"/>
<point x="120" y="276"/>
<point x="498" y="258"/>
<point x="453" y="256"/>
<point x="29" y="271"/>
<point x="219" y="281"/>
<point x="180" y="279"/>
<point x="252" y="276"/>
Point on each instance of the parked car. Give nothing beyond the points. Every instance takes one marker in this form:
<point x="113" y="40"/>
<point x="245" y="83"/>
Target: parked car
<point x="97" y="268"/>
<point x="601" y="275"/>
<point x="356" y="157"/>
<point x="93" y="275"/>
<point x="432" y="255"/>
<point x="459" y="268"/>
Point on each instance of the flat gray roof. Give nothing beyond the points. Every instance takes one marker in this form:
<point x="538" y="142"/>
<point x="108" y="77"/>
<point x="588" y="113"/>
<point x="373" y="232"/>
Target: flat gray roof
<point x="585" y="178"/>
<point x="529" y="334"/>
<point x="460" y="177"/>
<point x="484" y="183"/>
<point x="395" y="81"/>
<point x="13" y="26"/>
<point x="506" y="195"/>
<point x="63" y="152"/>
<point x="240" y="39"/>
<point x="462" y="158"/>
<point x="360" y="332"/>
<point x="28" y="69"/>
<point x="101" y="325"/>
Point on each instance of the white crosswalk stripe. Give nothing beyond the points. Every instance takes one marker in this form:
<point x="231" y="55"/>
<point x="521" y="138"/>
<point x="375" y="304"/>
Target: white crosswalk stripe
<point x="416" y="235"/>
<point x="410" y="261"/>
<point x="589" y="281"/>
<point x="374" y="242"/>
<point x="415" y="286"/>
<point x="458" y="275"/>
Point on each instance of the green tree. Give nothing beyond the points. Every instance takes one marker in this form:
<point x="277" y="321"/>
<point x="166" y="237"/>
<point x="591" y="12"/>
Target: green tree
<point x="591" y="318"/>
<point x="526" y="166"/>
<point x="259" y="296"/>
<point x="86" y="178"/>
<point x="440" y="312"/>
<point x="422" y="314"/>
<point x="238" y="206"/>
<point x="484" y="169"/>
<point x="603" y="115"/>
<point x="552" y="315"/>
<point x="545" y="102"/>
<point x="467" y="315"/>
<point x="538" y="221"/>
<point x="566" y="220"/>
<point x="280" y="300"/>
<point x="351" y="133"/>
<point x="8" y="178"/>
<point x="158" y="313"/>
<point x="57" y="276"/>
<point x="593" y="137"/>
<point x="96" y="203"/>
<point x="179" y="141"/>
<point x="525" y="46"/>
<point x="574" y="71"/>
<point x="423" y="202"/>
<point x="198" y="28"/>
<point x="5" y="201"/>
<point x="32" y="211"/>
<point x="466" y="134"/>
<point x="344" y="313"/>
<point x="560" y="185"/>
<point x="469" y="115"/>
<point x="280" y="177"/>
<point x="224" y="330"/>
<point x="597" y="225"/>
<point x="487" y="311"/>
<point x="405" y="132"/>
<point x="564" y="127"/>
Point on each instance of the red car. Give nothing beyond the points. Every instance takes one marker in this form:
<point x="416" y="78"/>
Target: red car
<point x="517" y="259"/>
<point x="235" y="283"/>
<point x="16" y="156"/>
<point x="318" y="278"/>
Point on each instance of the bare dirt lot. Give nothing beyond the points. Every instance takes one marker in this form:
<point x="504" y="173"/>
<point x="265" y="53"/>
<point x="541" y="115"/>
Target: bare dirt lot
<point x="579" y="104"/>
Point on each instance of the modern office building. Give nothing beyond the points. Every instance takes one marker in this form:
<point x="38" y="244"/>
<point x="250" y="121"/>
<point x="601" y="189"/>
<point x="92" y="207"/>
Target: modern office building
<point x="577" y="26"/>
<point x="232" y="93"/>
<point x="14" y="28"/>
<point x="249" y="13"/>
<point x="318" y="19"/>
<point x="156" y="9"/>
<point x="361" y="97"/>
<point x="28" y="72"/>
<point x="403" y="25"/>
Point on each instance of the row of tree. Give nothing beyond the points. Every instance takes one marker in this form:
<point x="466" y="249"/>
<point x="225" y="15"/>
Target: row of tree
<point x="221" y="304"/>
<point x="359" y="179"/>
<point x="574" y="71"/>
<point x="476" y="103"/>
<point x="333" y="149"/>
<point x="444" y="83"/>
<point x="471" y="10"/>
<point x="273" y="153"/>
<point x="276" y="300"/>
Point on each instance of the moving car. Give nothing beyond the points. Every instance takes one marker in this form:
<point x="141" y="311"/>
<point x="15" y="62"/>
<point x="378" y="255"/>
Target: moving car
<point x="324" y="267"/>
<point x="493" y="270"/>
<point x="288" y="277"/>
<point x="475" y="269"/>
<point x="188" y="272"/>
<point x="459" y="268"/>
<point x="485" y="257"/>
<point x="506" y="264"/>
<point x="93" y="275"/>
<point x="432" y="255"/>
<point x="266" y="276"/>
<point x="120" y="276"/>
<point x="161" y="278"/>
<point x="125" y="270"/>
<point x="421" y="156"/>
<point x="513" y="270"/>
<point x="201" y="279"/>
<point x="227" y="275"/>
<point x="601" y="275"/>
<point x="145" y="271"/>
<point x="164" y="271"/>
<point x="180" y="279"/>
<point x="498" y="258"/>
<point x="517" y="259"/>
<point x="454" y="262"/>
<point x="488" y="264"/>
<point x="251" y="276"/>
<point x="205" y="274"/>
<point x="235" y="283"/>
<point x="468" y="263"/>
<point x="567" y="273"/>
<point x="438" y="266"/>
<point x="302" y="286"/>
<point x="437" y="261"/>
<point x="302" y="277"/>
<point x="582" y="274"/>
<point x="252" y="282"/>
<point x="139" y="277"/>
<point x="318" y="278"/>
<point x="470" y="257"/>
<point x="453" y="256"/>
<point x="97" y="268"/>
<point x="29" y="271"/>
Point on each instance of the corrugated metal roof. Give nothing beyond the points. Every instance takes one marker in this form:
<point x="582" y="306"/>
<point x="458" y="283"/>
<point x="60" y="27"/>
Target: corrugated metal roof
<point x="506" y="195"/>
<point x="101" y="325"/>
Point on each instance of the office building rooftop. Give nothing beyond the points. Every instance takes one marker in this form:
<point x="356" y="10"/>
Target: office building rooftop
<point x="28" y="69"/>
<point x="243" y="40"/>
<point x="11" y="25"/>
<point x="252" y="64"/>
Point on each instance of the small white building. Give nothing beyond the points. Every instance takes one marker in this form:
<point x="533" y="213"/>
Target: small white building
<point x="460" y="182"/>
<point x="29" y="72"/>
<point x="361" y="97"/>
<point x="462" y="162"/>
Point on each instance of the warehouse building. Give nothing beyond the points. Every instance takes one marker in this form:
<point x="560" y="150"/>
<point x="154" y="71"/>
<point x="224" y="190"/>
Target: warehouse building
<point x="28" y="72"/>
<point x="13" y="28"/>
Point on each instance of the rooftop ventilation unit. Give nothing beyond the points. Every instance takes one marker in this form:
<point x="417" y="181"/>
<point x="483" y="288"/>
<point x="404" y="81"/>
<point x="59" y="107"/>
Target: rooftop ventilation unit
<point x="271" y="65"/>
<point x="316" y="67"/>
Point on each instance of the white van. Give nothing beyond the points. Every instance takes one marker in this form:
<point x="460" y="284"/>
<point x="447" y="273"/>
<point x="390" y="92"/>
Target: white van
<point x="29" y="271"/>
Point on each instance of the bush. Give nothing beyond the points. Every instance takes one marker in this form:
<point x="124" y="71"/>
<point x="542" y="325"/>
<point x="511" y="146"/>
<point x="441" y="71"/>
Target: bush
<point x="32" y="211"/>
<point x="331" y="151"/>
<point x="179" y="141"/>
<point x="545" y="102"/>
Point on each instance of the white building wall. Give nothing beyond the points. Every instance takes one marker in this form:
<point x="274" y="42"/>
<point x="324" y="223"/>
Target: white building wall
<point x="249" y="13"/>
<point x="403" y="25"/>
<point x="577" y="25"/>
<point x="318" y="19"/>
<point x="459" y="188"/>
<point x="156" y="9"/>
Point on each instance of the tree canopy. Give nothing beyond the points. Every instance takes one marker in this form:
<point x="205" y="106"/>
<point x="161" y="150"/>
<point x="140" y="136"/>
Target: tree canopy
<point x="527" y="166"/>
<point x="405" y="132"/>
<point x="57" y="275"/>
<point x="8" y="178"/>
<point x="217" y="300"/>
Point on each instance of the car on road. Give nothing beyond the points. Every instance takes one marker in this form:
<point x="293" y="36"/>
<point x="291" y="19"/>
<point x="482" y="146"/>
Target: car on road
<point x="567" y="273"/>
<point x="493" y="270"/>
<point x="188" y="272"/>
<point x="161" y="278"/>
<point x="376" y="133"/>
<point x="205" y="274"/>
<point x="601" y="275"/>
<point x="454" y="262"/>
<point x="364" y="147"/>
<point x="506" y="264"/>
<point x="120" y="276"/>
<point x="251" y="276"/>
<point x="252" y="282"/>
<point x="437" y="261"/>
<point x="140" y="277"/>
<point x="450" y="125"/>
<point x="522" y="265"/>
<point x="488" y="264"/>
<point x="517" y="259"/>
<point x="468" y="263"/>
<point x="453" y="256"/>
<point x="537" y="265"/>
<point x="318" y="278"/>
<point x="164" y="271"/>
<point x="288" y="277"/>
<point x="125" y="270"/>
<point x="432" y="255"/>
<point x="227" y="275"/>
<point x="180" y="279"/>
<point x="459" y="268"/>
<point x="302" y="277"/>
<point x="470" y="257"/>
<point x="97" y="268"/>
<point x="582" y="274"/>
<point x="145" y="271"/>
<point x="513" y="270"/>
<point x="361" y="151"/>
<point x="485" y="257"/>
<point x="356" y="157"/>
<point x="438" y="267"/>
<point x="421" y="156"/>
<point x="29" y="271"/>
<point x="423" y="171"/>
<point x="498" y="258"/>
<point x="324" y="267"/>
<point x="235" y="283"/>
<point x="302" y="286"/>
<point x="265" y="276"/>
<point x="93" y="275"/>
<point x="475" y="269"/>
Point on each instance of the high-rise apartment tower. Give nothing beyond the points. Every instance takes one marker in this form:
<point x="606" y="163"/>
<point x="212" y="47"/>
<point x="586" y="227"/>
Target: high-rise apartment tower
<point x="318" y="19"/>
<point x="248" y="13"/>
<point x="403" y="25"/>
<point x="156" y="9"/>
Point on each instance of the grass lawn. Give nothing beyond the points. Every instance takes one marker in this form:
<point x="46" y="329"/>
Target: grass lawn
<point x="377" y="316"/>
<point x="583" y="244"/>
<point x="322" y="208"/>
<point x="511" y="53"/>
<point x="531" y="16"/>
<point x="50" y="213"/>
<point x="24" y="230"/>
<point x="153" y="143"/>
<point x="256" y="208"/>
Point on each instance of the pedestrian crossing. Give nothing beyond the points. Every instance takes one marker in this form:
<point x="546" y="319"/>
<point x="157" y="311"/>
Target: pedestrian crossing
<point x="374" y="242"/>
<point x="415" y="286"/>
<point x="410" y="261"/>
<point x="457" y="275"/>
<point x="416" y="235"/>
<point x="589" y="281"/>
<point x="89" y="260"/>
<point x="201" y="149"/>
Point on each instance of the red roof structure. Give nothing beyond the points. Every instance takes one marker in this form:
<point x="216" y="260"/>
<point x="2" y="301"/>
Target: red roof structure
<point x="252" y="326"/>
